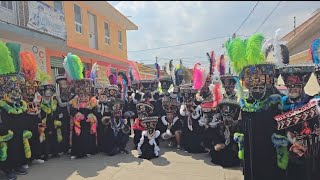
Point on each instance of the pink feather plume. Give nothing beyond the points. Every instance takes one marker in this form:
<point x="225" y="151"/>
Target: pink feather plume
<point x="197" y="77"/>
<point x="217" y="94"/>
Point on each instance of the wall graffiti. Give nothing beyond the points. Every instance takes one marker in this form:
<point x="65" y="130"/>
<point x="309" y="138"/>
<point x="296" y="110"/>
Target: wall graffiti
<point x="46" y="19"/>
<point x="39" y="53"/>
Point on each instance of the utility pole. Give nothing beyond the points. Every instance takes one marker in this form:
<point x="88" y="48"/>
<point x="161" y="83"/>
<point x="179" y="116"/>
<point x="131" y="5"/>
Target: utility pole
<point x="294" y="25"/>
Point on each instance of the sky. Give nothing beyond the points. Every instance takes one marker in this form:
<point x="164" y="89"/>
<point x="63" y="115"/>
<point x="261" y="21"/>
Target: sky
<point x="169" y="23"/>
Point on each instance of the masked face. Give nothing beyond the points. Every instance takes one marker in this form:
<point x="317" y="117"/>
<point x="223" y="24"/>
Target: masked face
<point x="156" y="96"/>
<point x="150" y="127"/>
<point x="15" y="95"/>
<point x="208" y="116"/>
<point x="228" y="121"/>
<point x="84" y="98"/>
<point x="258" y="92"/>
<point x="295" y="91"/>
<point x="117" y="109"/>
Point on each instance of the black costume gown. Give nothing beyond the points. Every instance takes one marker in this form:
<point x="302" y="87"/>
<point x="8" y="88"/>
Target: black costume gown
<point x="147" y="150"/>
<point x="51" y="144"/>
<point x="227" y="157"/>
<point x="113" y="140"/>
<point x="34" y="140"/>
<point x="85" y="143"/>
<point x="192" y="140"/>
<point x="260" y="158"/>
<point x="64" y="117"/>
<point x="306" y="168"/>
<point x="18" y="124"/>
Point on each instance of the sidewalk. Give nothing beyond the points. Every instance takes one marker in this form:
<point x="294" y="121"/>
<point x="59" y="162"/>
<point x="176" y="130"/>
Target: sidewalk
<point x="173" y="165"/>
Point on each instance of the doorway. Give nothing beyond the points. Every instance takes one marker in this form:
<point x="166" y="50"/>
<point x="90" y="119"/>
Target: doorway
<point x="93" y="36"/>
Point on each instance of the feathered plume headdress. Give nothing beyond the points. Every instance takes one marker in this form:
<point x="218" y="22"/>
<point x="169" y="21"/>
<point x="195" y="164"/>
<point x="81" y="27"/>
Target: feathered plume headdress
<point x="197" y="77"/>
<point x="131" y="75"/>
<point x="124" y="84"/>
<point x="6" y="60"/>
<point x="245" y="52"/>
<point x="73" y="66"/>
<point x="14" y="48"/>
<point x="222" y="65"/>
<point x="94" y="71"/>
<point x="281" y="52"/>
<point x="172" y="74"/>
<point x="315" y="45"/>
<point x="28" y="65"/>
<point x="156" y="65"/>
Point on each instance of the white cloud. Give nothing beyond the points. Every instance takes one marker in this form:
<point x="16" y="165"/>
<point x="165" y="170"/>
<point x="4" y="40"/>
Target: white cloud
<point x="168" y="23"/>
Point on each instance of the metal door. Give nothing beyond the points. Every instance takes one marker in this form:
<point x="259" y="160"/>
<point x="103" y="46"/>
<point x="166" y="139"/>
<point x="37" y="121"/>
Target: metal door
<point x="92" y="31"/>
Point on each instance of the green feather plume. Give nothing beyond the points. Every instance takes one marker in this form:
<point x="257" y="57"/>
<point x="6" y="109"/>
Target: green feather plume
<point x="254" y="52"/>
<point x="43" y="77"/>
<point x="14" y="48"/>
<point x="73" y="66"/>
<point x="245" y="52"/>
<point x="6" y="60"/>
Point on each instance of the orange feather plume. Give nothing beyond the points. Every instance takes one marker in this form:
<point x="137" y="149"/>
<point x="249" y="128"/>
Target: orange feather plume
<point x="28" y="65"/>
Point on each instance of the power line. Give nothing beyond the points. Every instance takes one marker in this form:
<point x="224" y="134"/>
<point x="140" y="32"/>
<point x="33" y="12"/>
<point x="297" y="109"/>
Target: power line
<point x="268" y="16"/>
<point x="180" y="44"/>
<point x="247" y="17"/>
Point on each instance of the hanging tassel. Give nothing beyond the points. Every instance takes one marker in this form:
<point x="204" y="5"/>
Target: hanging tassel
<point x="92" y="119"/>
<point x="26" y="145"/>
<point x="57" y="125"/>
<point x="4" y="146"/>
<point x="76" y="121"/>
<point x="41" y="129"/>
<point x="281" y="144"/>
<point x="239" y="139"/>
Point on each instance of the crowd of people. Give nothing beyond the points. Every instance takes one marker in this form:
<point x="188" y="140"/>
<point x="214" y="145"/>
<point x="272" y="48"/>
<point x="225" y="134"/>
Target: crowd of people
<point x="270" y="134"/>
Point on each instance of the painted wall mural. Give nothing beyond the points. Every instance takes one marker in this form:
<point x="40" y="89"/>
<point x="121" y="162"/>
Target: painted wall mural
<point x="46" y="19"/>
<point x="39" y="53"/>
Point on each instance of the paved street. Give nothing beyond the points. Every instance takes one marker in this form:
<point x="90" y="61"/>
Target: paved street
<point x="171" y="165"/>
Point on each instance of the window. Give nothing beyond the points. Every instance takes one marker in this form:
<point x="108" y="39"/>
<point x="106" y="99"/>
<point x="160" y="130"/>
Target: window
<point x="106" y="33"/>
<point x="77" y="17"/>
<point x="120" y="39"/>
<point x="58" y="5"/>
<point x="7" y="5"/>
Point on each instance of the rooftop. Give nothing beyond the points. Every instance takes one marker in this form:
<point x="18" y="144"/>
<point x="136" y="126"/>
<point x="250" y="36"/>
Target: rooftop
<point x="109" y="11"/>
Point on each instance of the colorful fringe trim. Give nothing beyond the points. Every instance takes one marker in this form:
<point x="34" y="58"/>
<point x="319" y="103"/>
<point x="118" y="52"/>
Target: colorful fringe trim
<point x="41" y="129"/>
<point x="49" y="109"/>
<point x="281" y="144"/>
<point x="4" y="146"/>
<point x="239" y="138"/>
<point x="77" y="127"/>
<point x="57" y="125"/>
<point x="12" y="110"/>
<point x="93" y="122"/>
<point x="27" y="150"/>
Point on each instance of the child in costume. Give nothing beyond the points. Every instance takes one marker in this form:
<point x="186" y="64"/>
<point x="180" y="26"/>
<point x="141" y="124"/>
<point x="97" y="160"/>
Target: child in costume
<point x="13" y="108"/>
<point x="192" y="133"/>
<point x="30" y="92"/>
<point x="84" y="126"/>
<point x="148" y="145"/>
<point x="115" y="130"/>
<point x="50" y="127"/>
<point x="63" y="96"/>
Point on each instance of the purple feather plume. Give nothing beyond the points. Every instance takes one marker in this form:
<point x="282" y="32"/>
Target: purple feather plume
<point x="222" y="67"/>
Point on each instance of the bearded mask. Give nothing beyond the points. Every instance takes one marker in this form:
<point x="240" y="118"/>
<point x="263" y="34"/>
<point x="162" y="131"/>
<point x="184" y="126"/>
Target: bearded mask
<point x="116" y="107"/>
<point x="83" y="88"/>
<point x="47" y="92"/>
<point x="257" y="79"/>
<point x="295" y="79"/>
<point x="29" y="88"/>
<point x="150" y="124"/>
<point x="229" y="111"/>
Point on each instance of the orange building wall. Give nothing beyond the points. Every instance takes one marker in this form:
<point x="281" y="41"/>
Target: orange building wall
<point x="81" y="40"/>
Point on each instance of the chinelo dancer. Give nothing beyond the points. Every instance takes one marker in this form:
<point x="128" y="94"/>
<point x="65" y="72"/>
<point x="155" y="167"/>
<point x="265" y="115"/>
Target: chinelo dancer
<point x="148" y="147"/>
<point x="192" y="135"/>
<point x="257" y="110"/>
<point x="63" y="97"/>
<point x="225" y="149"/>
<point x="297" y="139"/>
<point x="82" y="110"/>
<point x="31" y="94"/>
<point x="16" y="134"/>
